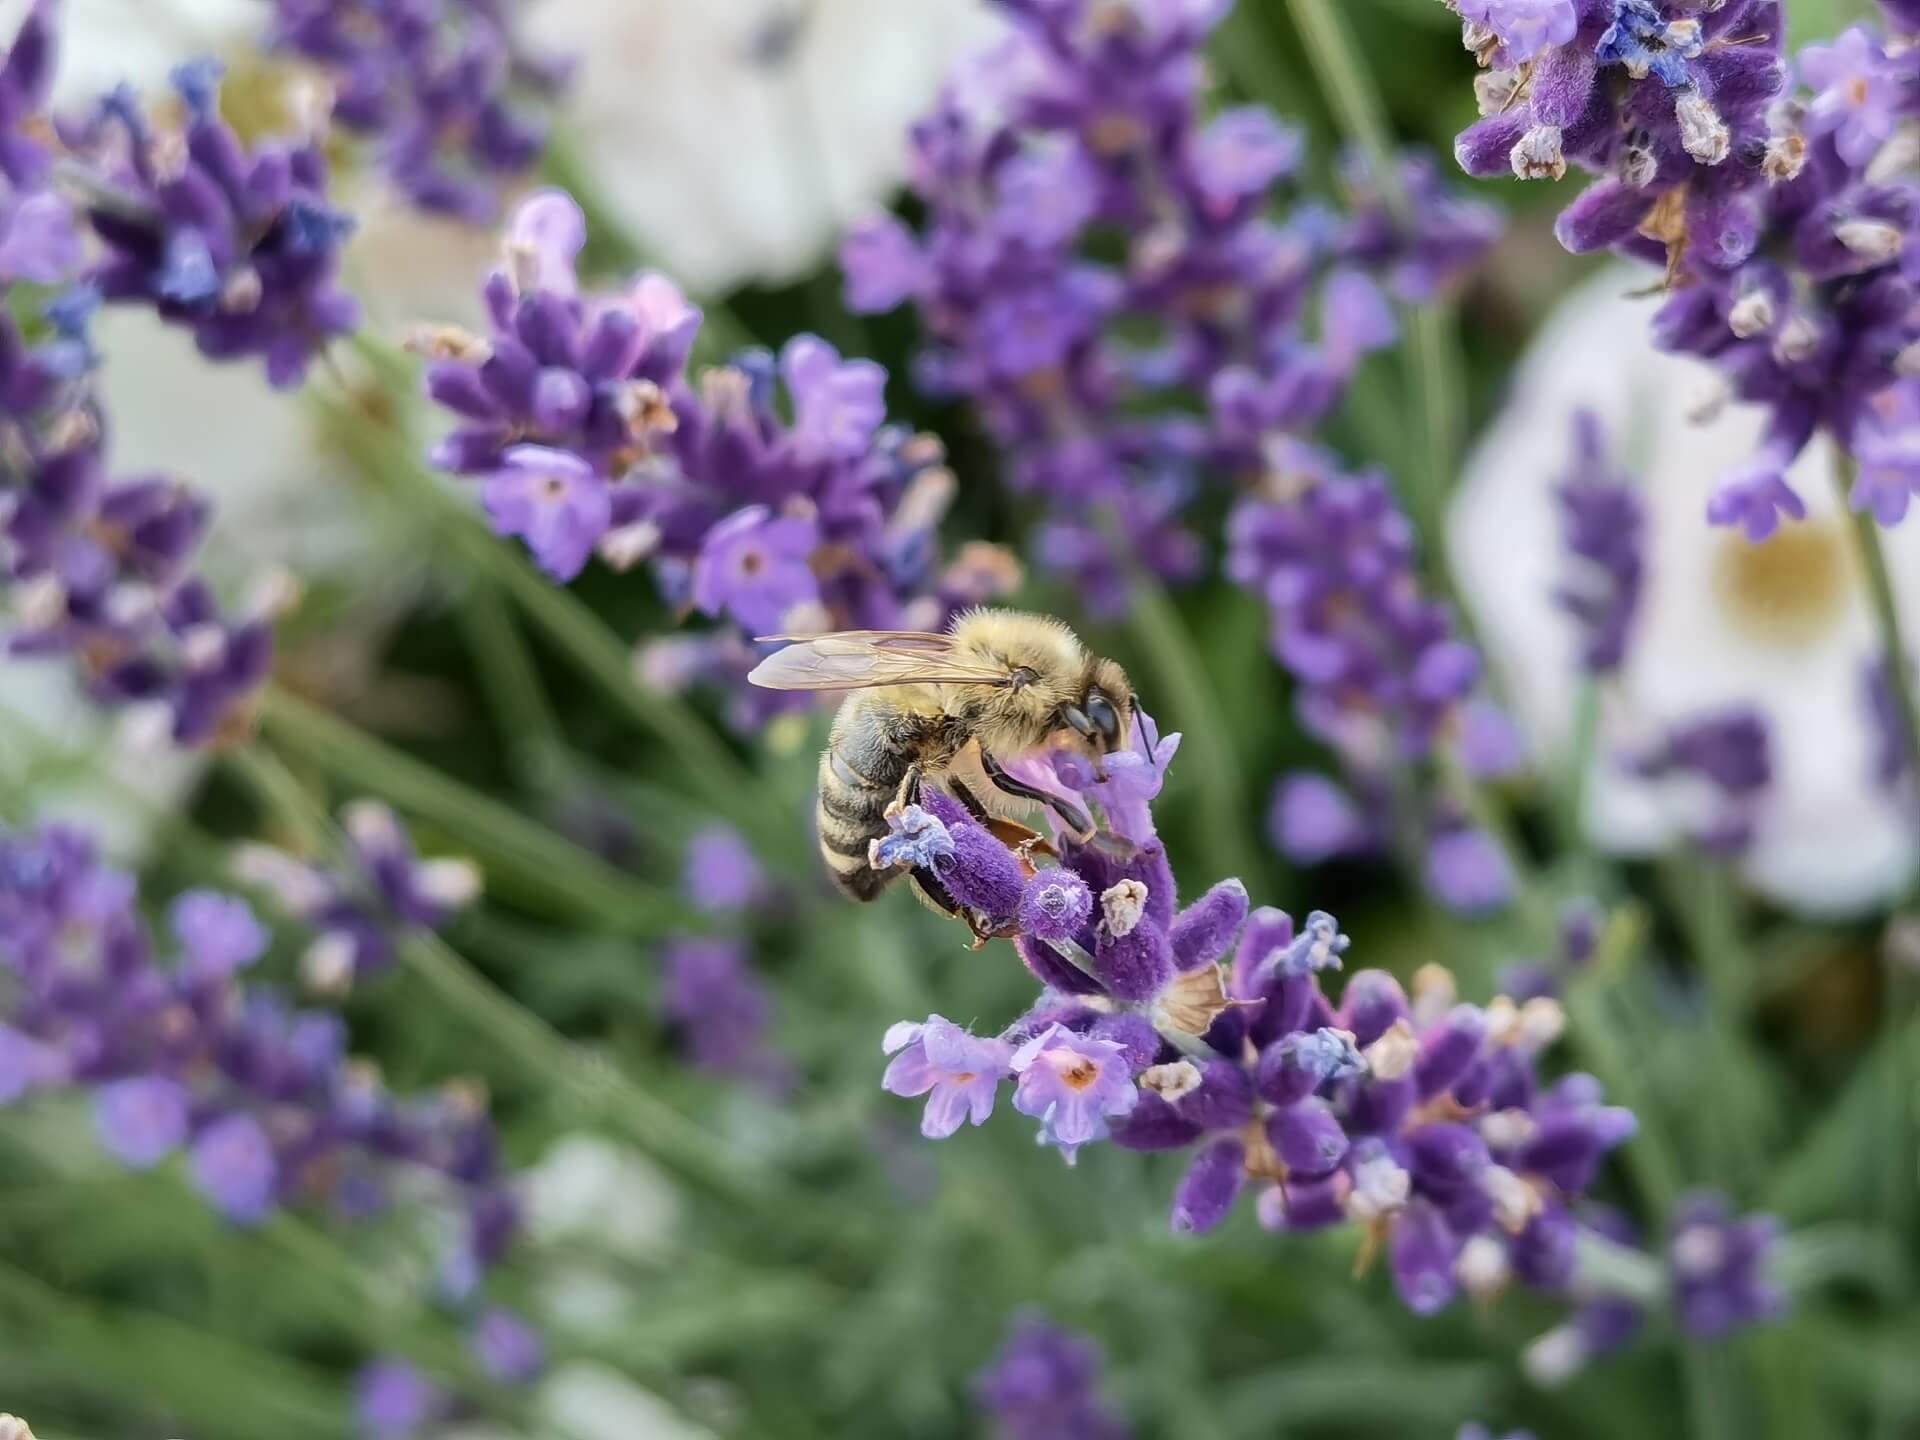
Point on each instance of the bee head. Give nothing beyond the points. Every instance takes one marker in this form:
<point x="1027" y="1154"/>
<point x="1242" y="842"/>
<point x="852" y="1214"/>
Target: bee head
<point x="1102" y="714"/>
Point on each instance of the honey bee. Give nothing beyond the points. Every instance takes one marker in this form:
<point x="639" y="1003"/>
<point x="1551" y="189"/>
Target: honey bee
<point x="950" y="710"/>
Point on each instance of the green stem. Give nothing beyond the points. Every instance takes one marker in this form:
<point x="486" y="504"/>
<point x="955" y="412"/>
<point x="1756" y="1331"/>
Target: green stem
<point x="1886" y="607"/>
<point x="1194" y="701"/>
<point x="507" y="673"/>
<point x="1351" y="94"/>
<point x="530" y="856"/>
<point x="1902" y="1125"/>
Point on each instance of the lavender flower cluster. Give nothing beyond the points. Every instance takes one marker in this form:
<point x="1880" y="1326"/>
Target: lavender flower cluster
<point x="446" y="89"/>
<point x="237" y="246"/>
<point x="772" y="496"/>
<point x="1382" y="673"/>
<point x="1421" y="1120"/>
<point x="185" y="1057"/>
<point x="360" y="911"/>
<point x="1044" y="1385"/>
<point x="1784" y="219"/>
<point x="1098" y="253"/>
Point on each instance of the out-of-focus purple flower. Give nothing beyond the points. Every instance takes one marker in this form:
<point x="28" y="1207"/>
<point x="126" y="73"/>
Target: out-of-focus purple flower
<point x="1089" y="121"/>
<point x="1468" y="872"/>
<point x="722" y="873"/>
<point x="553" y="501"/>
<point x="239" y="246"/>
<point x="507" y="1347"/>
<point x="393" y="1400"/>
<point x="1379" y="666"/>
<point x="1489" y="743"/>
<point x="1603" y="525"/>
<point x="361" y="910"/>
<point x="443" y="89"/>
<point x="1893" y="758"/>
<point x="1857" y="93"/>
<point x="721" y="1010"/>
<point x="218" y="934"/>
<point x="142" y="1120"/>
<point x="959" y="1073"/>
<point x="1719" y="1265"/>
<point x="1073" y="1085"/>
<point x="233" y="1164"/>
<point x="1730" y="753"/>
<point x="1313" y="820"/>
<point x="1043" y="1385"/>
<point x="1754" y="497"/>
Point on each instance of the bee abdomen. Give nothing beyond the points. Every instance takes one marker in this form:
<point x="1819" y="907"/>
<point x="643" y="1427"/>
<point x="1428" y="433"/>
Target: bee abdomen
<point x="851" y="815"/>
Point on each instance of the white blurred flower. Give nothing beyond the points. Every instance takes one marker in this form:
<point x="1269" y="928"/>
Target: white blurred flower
<point x="1784" y="626"/>
<point x="593" y="1402"/>
<point x="735" y="138"/>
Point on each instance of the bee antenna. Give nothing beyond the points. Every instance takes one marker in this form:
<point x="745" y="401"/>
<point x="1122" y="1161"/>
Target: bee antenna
<point x="1146" y="740"/>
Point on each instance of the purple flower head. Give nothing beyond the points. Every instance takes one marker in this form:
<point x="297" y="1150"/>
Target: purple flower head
<point x="1043" y="1385"/>
<point x="393" y="1400"/>
<point x="553" y="501"/>
<point x="959" y="1073"/>
<point x="1603" y="525"/>
<point x="234" y="1165"/>
<point x="1091" y="124"/>
<point x="1073" y="1085"/>
<point x="722" y="873"/>
<point x="1057" y="905"/>
<point x="543" y="241"/>
<point x="142" y="1120"/>
<point x="721" y="1010"/>
<point x="442" y="91"/>
<point x="1720" y="1267"/>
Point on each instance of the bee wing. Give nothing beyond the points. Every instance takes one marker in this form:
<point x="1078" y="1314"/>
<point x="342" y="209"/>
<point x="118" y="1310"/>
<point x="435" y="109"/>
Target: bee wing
<point x="864" y="659"/>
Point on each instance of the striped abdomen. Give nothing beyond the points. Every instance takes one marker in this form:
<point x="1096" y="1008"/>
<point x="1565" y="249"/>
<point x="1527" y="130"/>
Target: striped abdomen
<point x="873" y="746"/>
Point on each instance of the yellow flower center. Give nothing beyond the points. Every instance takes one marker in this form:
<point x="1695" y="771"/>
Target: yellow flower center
<point x="1790" y="591"/>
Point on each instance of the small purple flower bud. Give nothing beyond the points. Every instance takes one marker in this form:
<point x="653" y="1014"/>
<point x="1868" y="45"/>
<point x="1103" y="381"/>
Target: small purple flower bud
<point x="1446" y="1158"/>
<point x="1372" y="1003"/>
<point x="1139" y="1041"/>
<point x="1485" y="148"/>
<point x="982" y="873"/>
<point x="1424" y="1251"/>
<point x="1209" y="1188"/>
<point x="1222" y="1101"/>
<point x="1056" y="906"/>
<point x="1606" y="213"/>
<point x="1154" y="1124"/>
<point x="1449" y="1049"/>
<point x="1203" y="931"/>
<point x="1053" y="970"/>
<point x="1307" y="1137"/>
<point x="1135" y="966"/>
<point x="882" y="264"/>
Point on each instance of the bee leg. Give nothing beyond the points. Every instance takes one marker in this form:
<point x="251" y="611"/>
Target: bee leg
<point x="1074" y="817"/>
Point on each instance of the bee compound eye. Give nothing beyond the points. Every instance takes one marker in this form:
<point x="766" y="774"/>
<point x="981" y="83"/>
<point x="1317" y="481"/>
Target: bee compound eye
<point x="1105" y="718"/>
<point x="1074" y="716"/>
